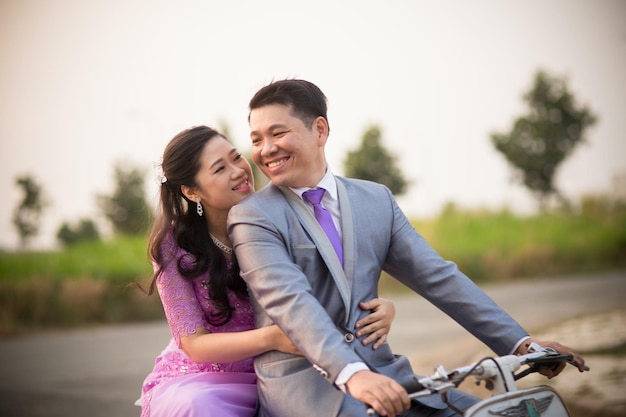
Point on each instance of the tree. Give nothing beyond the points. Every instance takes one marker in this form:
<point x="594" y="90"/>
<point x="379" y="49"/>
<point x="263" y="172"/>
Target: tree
<point x="85" y="230"/>
<point x="373" y="162"/>
<point x="540" y="141"/>
<point x="127" y="208"/>
<point x="27" y="214"/>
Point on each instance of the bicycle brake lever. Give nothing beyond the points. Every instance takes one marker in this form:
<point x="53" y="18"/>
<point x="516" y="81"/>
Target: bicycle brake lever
<point x="585" y="367"/>
<point x="536" y="348"/>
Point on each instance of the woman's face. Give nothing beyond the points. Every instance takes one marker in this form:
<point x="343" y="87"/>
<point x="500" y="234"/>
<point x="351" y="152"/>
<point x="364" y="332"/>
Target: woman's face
<point x="225" y="176"/>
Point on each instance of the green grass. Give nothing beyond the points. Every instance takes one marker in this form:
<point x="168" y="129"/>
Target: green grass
<point x="120" y="260"/>
<point x="92" y="282"/>
<point x="500" y="246"/>
<point x="84" y="284"/>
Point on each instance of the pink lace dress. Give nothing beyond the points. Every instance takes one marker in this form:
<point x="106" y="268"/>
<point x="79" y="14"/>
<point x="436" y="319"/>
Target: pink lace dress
<point x="179" y="387"/>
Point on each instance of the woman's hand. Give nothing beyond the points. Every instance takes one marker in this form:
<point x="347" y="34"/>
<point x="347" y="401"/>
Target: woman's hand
<point x="377" y="324"/>
<point x="279" y="340"/>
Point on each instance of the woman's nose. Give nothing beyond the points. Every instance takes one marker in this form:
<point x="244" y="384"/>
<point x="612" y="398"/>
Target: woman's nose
<point x="238" y="172"/>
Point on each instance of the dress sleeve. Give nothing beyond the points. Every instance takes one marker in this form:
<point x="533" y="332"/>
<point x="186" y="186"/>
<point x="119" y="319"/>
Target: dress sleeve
<point x="183" y="311"/>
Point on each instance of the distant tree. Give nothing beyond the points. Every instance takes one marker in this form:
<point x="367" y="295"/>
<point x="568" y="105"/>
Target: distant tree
<point x="27" y="214"/>
<point x="373" y="162"/>
<point x="85" y="230"/>
<point x="127" y="208"/>
<point x="540" y="141"/>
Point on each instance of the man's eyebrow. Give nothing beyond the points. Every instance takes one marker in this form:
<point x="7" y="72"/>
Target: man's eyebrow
<point x="220" y="160"/>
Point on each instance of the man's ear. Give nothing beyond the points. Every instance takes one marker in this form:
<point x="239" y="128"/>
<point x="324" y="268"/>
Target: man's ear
<point x="320" y="125"/>
<point x="189" y="192"/>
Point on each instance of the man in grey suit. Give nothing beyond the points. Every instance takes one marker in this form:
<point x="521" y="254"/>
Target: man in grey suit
<point x="312" y="289"/>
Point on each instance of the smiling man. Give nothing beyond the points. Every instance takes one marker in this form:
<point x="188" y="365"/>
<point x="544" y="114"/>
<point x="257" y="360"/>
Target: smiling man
<point x="312" y="288"/>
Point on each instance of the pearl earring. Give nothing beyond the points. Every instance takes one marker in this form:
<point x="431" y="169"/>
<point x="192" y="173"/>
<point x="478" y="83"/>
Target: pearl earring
<point x="199" y="209"/>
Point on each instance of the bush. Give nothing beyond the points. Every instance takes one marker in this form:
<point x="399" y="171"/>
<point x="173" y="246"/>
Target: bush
<point x="85" y="231"/>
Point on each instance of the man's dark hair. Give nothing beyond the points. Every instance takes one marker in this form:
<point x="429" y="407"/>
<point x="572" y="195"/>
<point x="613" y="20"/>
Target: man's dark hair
<point x="305" y="99"/>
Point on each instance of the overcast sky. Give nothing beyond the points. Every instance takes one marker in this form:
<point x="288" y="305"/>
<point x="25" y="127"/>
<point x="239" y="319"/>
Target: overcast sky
<point x="86" y="83"/>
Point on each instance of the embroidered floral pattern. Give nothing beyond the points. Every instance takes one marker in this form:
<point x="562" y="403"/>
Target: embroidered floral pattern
<point x="186" y="307"/>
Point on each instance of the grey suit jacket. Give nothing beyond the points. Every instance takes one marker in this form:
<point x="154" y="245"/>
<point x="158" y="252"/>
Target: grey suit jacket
<point x="296" y="281"/>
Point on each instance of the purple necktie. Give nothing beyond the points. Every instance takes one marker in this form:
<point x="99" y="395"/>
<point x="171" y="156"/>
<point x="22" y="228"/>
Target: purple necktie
<point x="324" y="218"/>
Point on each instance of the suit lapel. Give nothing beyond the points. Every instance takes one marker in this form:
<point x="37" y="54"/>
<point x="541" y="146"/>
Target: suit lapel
<point x="347" y="232"/>
<point x="310" y="223"/>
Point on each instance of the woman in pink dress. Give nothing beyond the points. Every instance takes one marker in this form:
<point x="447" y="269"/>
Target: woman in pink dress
<point x="206" y="369"/>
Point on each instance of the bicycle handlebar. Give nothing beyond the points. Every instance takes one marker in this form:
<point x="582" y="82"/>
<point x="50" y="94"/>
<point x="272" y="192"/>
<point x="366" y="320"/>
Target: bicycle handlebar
<point x="412" y="386"/>
<point x="486" y="369"/>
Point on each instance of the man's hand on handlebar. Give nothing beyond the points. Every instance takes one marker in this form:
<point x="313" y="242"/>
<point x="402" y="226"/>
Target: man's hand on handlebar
<point x="550" y="372"/>
<point x="382" y="393"/>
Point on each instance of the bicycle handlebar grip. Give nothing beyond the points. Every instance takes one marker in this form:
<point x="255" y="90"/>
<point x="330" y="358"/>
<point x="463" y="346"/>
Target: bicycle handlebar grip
<point x="553" y="360"/>
<point x="413" y="385"/>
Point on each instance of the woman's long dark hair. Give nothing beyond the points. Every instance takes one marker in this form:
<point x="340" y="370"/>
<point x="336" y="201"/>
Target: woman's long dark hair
<point x="181" y="163"/>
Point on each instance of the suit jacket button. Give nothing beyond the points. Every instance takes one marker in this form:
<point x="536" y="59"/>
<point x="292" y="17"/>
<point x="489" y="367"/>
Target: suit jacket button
<point x="348" y="337"/>
<point x="321" y="371"/>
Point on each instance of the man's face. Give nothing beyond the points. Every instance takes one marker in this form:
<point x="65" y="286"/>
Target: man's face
<point x="285" y="149"/>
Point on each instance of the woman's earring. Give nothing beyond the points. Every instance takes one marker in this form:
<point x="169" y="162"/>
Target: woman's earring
<point x="199" y="208"/>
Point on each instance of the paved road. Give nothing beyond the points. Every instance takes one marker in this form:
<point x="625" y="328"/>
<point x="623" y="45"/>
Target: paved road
<point x="98" y="372"/>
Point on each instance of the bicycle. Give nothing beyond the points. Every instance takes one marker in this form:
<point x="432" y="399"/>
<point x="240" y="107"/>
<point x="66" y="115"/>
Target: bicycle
<point x="499" y="375"/>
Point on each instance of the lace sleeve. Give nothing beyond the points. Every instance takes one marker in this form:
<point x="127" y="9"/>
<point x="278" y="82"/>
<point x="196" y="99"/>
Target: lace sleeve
<point x="182" y="309"/>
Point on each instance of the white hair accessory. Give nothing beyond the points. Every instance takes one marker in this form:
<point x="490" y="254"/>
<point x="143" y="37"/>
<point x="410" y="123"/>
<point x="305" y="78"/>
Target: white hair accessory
<point x="159" y="175"/>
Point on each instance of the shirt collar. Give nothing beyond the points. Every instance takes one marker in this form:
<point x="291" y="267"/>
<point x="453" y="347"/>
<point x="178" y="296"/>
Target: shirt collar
<point x="327" y="182"/>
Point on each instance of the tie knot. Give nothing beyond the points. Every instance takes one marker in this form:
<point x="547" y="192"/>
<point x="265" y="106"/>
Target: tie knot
<point x="314" y="196"/>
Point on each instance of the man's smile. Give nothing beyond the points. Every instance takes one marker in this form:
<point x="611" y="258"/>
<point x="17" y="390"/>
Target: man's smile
<point x="276" y="164"/>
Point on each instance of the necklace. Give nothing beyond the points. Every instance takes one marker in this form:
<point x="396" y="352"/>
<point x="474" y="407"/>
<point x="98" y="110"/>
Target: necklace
<point x="227" y="250"/>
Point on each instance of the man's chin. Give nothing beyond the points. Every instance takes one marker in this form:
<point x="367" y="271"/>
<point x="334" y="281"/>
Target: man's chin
<point x="281" y="182"/>
<point x="275" y="179"/>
